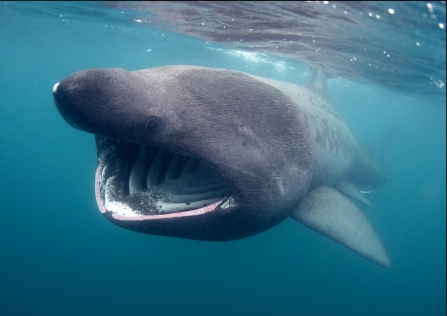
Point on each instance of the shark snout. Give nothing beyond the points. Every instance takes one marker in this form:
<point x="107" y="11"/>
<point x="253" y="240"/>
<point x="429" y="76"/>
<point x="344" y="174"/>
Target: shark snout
<point x="55" y="87"/>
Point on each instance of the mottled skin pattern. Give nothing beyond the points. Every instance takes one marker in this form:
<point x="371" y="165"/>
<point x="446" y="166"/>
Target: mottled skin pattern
<point x="338" y="157"/>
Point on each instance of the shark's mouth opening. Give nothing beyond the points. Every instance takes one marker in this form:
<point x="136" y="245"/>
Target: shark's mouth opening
<point x="133" y="180"/>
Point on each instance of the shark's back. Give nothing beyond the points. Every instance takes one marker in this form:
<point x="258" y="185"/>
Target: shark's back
<point x="338" y="157"/>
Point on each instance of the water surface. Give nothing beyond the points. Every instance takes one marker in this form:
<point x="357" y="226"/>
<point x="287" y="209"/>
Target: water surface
<point x="59" y="256"/>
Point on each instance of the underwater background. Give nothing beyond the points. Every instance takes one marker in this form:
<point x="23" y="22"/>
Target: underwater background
<point x="60" y="256"/>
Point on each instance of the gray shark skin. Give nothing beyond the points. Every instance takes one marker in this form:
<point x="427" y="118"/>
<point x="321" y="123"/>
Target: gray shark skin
<point x="215" y="154"/>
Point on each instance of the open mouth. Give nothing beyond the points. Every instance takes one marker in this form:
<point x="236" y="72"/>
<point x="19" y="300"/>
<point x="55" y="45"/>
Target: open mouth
<point x="134" y="180"/>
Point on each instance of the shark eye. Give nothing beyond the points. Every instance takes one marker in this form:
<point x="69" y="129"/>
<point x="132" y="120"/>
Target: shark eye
<point x="151" y="124"/>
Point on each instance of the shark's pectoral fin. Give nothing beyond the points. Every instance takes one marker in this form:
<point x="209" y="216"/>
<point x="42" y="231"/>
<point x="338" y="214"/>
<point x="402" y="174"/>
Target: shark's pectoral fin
<point x="353" y="192"/>
<point x="333" y="215"/>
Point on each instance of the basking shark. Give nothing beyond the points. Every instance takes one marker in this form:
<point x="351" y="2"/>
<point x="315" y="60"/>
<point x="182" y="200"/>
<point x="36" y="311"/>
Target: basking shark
<point x="216" y="154"/>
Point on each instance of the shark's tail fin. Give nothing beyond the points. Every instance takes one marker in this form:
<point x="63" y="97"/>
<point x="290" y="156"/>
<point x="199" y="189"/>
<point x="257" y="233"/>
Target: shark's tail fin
<point x="388" y="139"/>
<point x="368" y="172"/>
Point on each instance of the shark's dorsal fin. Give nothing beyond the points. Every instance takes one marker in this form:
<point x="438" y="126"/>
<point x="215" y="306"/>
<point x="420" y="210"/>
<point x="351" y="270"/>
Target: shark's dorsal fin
<point x="317" y="83"/>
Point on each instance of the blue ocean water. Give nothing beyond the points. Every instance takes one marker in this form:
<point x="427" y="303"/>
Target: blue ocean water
<point x="59" y="256"/>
